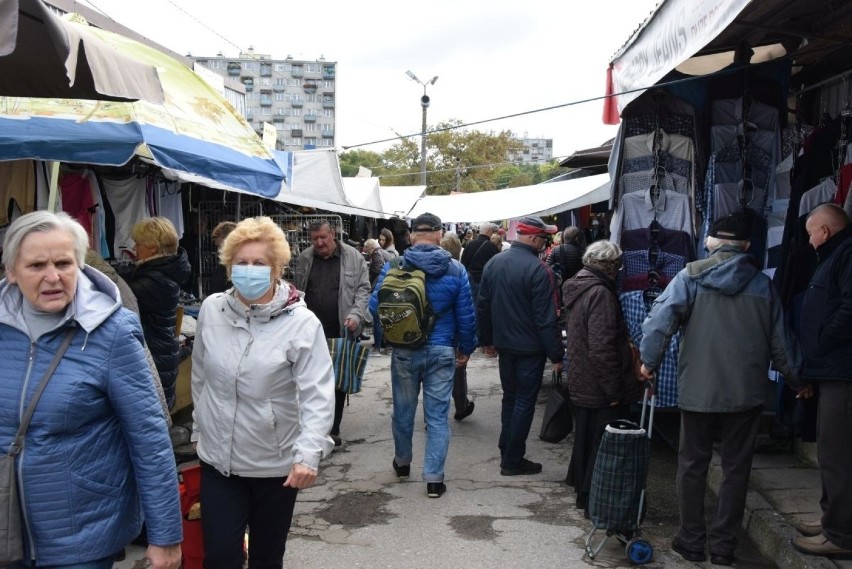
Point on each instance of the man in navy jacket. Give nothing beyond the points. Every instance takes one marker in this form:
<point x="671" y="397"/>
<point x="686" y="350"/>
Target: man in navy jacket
<point x="517" y="319"/>
<point x="826" y="332"/>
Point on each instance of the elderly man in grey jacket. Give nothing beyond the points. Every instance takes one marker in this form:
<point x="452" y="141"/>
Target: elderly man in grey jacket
<point x="733" y="328"/>
<point x="335" y="279"/>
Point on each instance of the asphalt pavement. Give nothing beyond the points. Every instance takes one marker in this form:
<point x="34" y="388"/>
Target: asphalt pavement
<point x="360" y="515"/>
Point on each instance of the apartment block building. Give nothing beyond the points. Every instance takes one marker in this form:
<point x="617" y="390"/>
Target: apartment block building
<point x="295" y="96"/>
<point x="532" y="151"/>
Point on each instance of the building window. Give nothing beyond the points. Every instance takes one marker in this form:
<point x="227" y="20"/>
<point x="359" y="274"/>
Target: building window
<point x="312" y="67"/>
<point x="280" y="82"/>
<point x="311" y="141"/>
<point x="279" y="96"/>
<point x="266" y="111"/>
<point x="265" y="82"/>
<point x="297" y="142"/>
<point x="296" y="112"/>
<point x="328" y="113"/>
<point x="328" y="84"/>
<point x="327" y="128"/>
<point x="310" y="98"/>
<point x="310" y="127"/>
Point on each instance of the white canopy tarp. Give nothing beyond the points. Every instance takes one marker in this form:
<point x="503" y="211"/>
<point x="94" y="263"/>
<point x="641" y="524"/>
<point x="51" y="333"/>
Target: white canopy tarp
<point x="676" y="31"/>
<point x="539" y="199"/>
<point x="363" y="193"/>
<point x="398" y="200"/>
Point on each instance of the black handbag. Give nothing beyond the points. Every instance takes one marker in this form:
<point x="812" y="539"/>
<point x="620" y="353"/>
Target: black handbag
<point x="558" y="422"/>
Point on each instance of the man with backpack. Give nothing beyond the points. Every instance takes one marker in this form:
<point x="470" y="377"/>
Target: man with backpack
<point x="423" y="302"/>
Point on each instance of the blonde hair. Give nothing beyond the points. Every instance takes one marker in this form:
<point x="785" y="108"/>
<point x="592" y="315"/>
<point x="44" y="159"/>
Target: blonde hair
<point x="451" y="243"/>
<point x="261" y="230"/>
<point x="497" y="239"/>
<point x="156" y="232"/>
<point x="371" y="245"/>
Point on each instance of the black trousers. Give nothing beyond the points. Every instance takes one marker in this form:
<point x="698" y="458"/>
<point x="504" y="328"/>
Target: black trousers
<point x="339" y="402"/>
<point x="835" y="460"/>
<point x="460" y="389"/>
<point x="229" y="504"/>
<point x="738" y="432"/>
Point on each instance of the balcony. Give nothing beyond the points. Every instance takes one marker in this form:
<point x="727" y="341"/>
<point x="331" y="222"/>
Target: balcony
<point x="296" y="133"/>
<point x="265" y="101"/>
<point x="297" y="73"/>
<point x="297" y="104"/>
<point x="278" y="89"/>
<point x="328" y="103"/>
<point x="310" y="118"/>
<point x="279" y="118"/>
<point x="249" y="87"/>
<point x="328" y="73"/>
<point x="328" y="134"/>
<point x="310" y="88"/>
<point x="266" y="71"/>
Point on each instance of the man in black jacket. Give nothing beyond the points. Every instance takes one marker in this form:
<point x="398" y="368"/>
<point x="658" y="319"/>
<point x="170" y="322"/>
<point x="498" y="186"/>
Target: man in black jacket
<point x="516" y="318"/>
<point x="478" y="252"/>
<point x="826" y="336"/>
<point x="568" y="256"/>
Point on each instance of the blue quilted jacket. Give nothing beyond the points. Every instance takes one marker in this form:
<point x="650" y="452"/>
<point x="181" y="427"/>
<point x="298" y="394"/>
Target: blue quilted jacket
<point x="449" y="294"/>
<point x="98" y="439"/>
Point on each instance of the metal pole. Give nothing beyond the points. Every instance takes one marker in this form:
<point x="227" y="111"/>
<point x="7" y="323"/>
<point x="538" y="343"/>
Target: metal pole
<point x="424" y="102"/>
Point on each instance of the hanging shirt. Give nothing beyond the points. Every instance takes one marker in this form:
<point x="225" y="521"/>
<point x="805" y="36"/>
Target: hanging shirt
<point x="820" y="194"/>
<point x="639" y="181"/>
<point x="668" y="240"/>
<point x="671" y="210"/>
<point x="18" y="183"/>
<point x="127" y="198"/>
<point x="641" y="263"/>
<point x="669" y="163"/>
<point x="669" y="122"/>
<point x="77" y="200"/>
<point x="677" y="145"/>
<point x="635" y="311"/>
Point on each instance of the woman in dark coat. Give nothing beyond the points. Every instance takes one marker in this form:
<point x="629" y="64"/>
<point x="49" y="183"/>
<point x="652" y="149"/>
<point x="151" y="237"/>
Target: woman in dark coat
<point x="601" y="379"/>
<point x="161" y="270"/>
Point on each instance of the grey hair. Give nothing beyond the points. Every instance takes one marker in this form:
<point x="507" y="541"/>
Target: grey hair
<point x="570" y="234"/>
<point x="713" y="243"/>
<point x="602" y="252"/>
<point x="371" y="245"/>
<point x="44" y="221"/>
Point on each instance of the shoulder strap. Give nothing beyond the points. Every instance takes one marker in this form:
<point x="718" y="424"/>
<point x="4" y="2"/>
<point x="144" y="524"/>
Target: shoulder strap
<point x="18" y="443"/>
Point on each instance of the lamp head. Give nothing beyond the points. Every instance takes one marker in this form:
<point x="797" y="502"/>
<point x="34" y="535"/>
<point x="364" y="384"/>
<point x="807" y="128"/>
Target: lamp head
<point x="412" y="76"/>
<point x="432" y="82"/>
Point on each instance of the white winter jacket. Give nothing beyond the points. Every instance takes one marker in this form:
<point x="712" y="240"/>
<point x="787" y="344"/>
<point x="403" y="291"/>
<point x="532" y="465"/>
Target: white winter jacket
<point x="262" y="385"/>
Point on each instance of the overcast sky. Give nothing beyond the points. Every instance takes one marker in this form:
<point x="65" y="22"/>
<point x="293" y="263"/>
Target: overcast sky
<point x="493" y="58"/>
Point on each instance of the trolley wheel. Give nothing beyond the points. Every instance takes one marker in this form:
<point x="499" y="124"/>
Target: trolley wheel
<point x="639" y="551"/>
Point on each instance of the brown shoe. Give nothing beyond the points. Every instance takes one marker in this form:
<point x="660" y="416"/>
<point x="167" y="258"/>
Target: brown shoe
<point x="809" y="528"/>
<point x="818" y="545"/>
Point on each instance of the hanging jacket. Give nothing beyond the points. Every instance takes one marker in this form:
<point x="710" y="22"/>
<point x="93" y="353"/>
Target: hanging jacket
<point x="97" y="458"/>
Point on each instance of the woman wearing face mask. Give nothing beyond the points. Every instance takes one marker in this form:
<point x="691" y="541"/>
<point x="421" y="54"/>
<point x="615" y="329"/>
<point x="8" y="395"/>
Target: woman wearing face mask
<point x="263" y="389"/>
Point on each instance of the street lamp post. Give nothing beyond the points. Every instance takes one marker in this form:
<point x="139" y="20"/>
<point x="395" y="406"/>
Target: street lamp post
<point x="424" y="103"/>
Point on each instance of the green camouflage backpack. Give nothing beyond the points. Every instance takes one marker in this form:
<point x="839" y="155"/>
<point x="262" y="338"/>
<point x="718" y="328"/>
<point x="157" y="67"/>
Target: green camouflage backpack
<point x="404" y="311"/>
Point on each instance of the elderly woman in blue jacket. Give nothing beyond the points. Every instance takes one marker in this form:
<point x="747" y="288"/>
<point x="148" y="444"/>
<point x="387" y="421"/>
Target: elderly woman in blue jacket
<point x="97" y="459"/>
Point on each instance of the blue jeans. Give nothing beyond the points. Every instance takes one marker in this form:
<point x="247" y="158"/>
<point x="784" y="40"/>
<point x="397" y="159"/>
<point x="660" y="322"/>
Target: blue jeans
<point x="520" y="376"/>
<point x="98" y="564"/>
<point x="377" y="333"/>
<point x="434" y="367"/>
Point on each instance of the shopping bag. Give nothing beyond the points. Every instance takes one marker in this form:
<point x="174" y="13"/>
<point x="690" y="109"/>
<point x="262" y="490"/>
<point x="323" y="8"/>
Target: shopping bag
<point x="558" y="422"/>
<point x="11" y="538"/>
<point x="349" y="359"/>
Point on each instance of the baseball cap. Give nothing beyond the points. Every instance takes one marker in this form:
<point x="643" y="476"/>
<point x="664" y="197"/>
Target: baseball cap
<point x="533" y="225"/>
<point x="735" y="227"/>
<point x="427" y="222"/>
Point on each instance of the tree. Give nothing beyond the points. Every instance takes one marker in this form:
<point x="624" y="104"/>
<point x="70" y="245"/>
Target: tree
<point x="352" y="160"/>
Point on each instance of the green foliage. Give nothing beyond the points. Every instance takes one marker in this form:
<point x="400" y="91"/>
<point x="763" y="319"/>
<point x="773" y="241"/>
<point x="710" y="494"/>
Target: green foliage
<point x="457" y="159"/>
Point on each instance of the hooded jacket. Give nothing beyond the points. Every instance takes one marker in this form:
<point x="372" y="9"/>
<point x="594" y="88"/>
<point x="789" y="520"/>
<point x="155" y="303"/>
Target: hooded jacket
<point x="97" y="456"/>
<point x="733" y="328"/>
<point x="517" y="305"/>
<point x="448" y="291"/>
<point x="156" y="284"/>
<point x="262" y="385"/>
<point x="600" y="370"/>
<point x="826" y="321"/>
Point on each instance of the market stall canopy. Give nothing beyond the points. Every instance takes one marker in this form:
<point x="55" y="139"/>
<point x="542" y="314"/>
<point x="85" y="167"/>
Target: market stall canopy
<point x="313" y="180"/>
<point x="697" y="37"/>
<point x="398" y="200"/>
<point x="363" y="193"/>
<point x="540" y="199"/>
<point x="43" y="55"/>
<point x="195" y="135"/>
